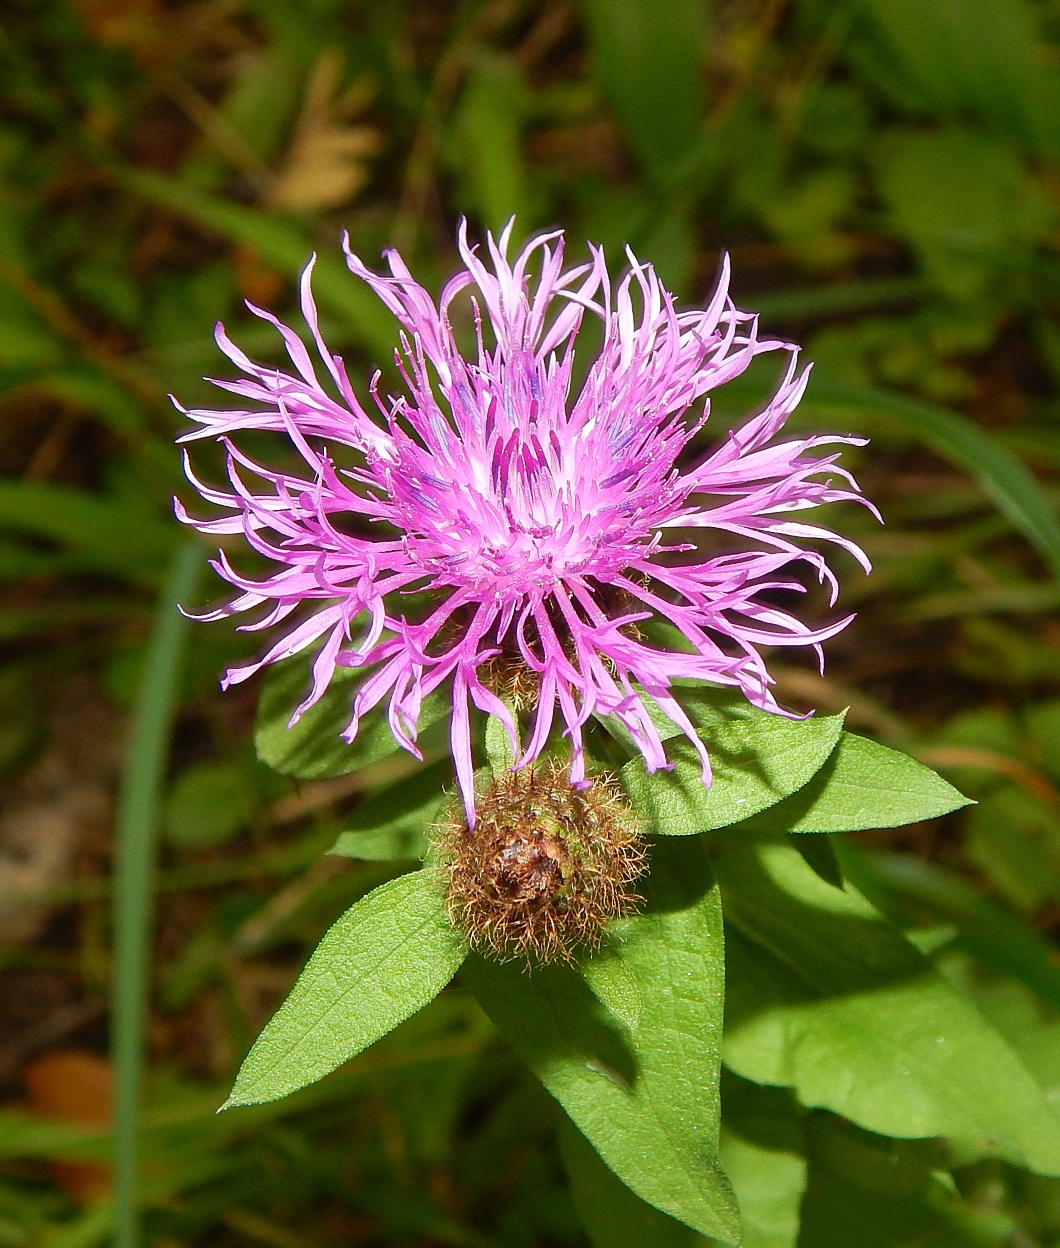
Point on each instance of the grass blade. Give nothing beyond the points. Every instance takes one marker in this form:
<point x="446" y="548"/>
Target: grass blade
<point x="282" y="244"/>
<point x="105" y="532"/>
<point x="1005" y="478"/>
<point x="134" y="869"/>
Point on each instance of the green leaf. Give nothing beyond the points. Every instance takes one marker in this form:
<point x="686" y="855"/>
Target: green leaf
<point x="498" y="745"/>
<point x="837" y="298"/>
<point x="1030" y="1025"/>
<point x="867" y="1191"/>
<point x="641" y="1080"/>
<point x="967" y="205"/>
<point x="1010" y="838"/>
<point x="825" y="997"/>
<point x="862" y="785"/>
<point x="818" y="852"/>
<point x="314" y="747"/>
<point x="114" y="407"/>
<point x="393" y="824"/>
<point x="996" y="937"/>
<point x="762" y="1148"/>
<point x="982" y="58"/>
<point x="757" y="759"/>
<point x="207" y="805"/>
<point x="386" y="958"/>
<point x="489" y="124"/>
<point x="612" y="1215"/>
<point x="769" y="1184"/>
<point x="649" y="58"/>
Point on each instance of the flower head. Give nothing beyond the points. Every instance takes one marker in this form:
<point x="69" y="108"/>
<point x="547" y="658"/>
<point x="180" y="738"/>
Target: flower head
<point x="498" y="518"/>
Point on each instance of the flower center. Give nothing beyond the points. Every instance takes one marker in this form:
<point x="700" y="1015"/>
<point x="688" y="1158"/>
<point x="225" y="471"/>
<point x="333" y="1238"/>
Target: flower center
<point x="522" y="509"/>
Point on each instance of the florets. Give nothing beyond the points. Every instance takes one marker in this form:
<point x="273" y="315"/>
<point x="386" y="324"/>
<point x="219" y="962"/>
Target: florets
<point x="527" y="516"/>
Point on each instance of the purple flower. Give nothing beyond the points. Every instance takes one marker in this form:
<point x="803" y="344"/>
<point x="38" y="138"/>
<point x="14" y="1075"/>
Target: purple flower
<point x="529" y="515"/>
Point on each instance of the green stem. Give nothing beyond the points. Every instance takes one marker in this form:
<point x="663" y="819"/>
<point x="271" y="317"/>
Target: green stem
<point x="135" y="841"/>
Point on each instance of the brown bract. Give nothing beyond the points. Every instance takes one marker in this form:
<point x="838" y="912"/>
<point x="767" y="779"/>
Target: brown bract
<point x="545" y="868"/>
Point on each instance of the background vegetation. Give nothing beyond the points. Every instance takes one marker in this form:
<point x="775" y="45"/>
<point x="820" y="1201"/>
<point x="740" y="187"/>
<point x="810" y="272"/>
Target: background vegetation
<point x="886" y="177"/>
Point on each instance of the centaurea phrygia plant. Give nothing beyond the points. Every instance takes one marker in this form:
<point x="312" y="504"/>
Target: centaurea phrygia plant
<point x="542" y="522"/>
<point x="506" y="537"/>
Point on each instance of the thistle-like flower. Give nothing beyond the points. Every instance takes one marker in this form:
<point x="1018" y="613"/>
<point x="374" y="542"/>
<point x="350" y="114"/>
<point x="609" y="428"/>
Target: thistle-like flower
<point x="499" y="526"/>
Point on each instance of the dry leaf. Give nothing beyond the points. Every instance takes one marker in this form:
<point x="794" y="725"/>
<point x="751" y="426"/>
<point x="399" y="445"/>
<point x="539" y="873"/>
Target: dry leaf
<point x="73" y="1086"/>
<point x="324" y="166"/>
<point x="132" y="24"/>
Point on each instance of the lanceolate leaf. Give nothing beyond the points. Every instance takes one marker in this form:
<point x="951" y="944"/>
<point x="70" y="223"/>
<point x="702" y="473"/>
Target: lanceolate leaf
<point x="314" y="747"/>
<point x="639" y="1079"/>
<point x="819" y="853"/>
<point x="827" y="998"/>
<point x="386" y="958"/>
<point x="763" y="1149"/>
<point x="862" y="785"/>
<point x="769" y="1184"/>
<point x="613" y="1217"/>
<point x="757" y="759"/>
<point x="866" y="1191"/>
<point x="393" y="824"/>
<point x="997" y="938"/>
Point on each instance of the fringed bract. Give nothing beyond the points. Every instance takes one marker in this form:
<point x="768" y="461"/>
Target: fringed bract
<point x="545" y="868"/>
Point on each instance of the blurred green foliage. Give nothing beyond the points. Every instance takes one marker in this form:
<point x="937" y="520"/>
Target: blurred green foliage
<point x="886" y="176"/>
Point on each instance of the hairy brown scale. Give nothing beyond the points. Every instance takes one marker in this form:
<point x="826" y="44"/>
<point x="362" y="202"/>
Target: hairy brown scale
<point x="546" y="867"/>
<point x="529" y="866"/>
